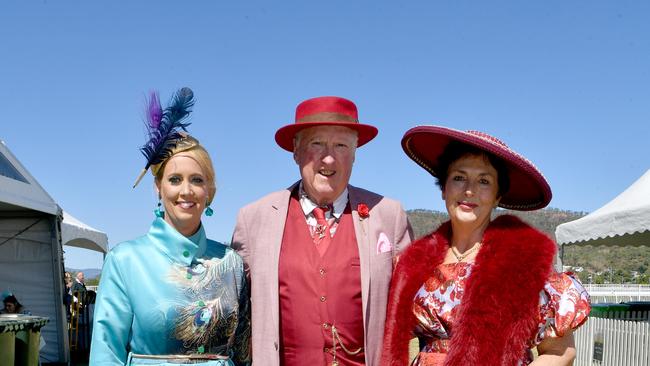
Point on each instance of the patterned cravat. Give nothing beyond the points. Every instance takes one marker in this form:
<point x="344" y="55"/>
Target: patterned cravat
<point x="322" y="237"/>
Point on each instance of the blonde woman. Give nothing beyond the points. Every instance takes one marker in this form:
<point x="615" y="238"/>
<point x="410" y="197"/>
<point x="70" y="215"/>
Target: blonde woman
<point x="173" y="295"/>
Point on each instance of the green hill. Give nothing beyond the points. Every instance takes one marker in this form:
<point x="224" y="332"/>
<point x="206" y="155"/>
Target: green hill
<point x="598" y="264"/>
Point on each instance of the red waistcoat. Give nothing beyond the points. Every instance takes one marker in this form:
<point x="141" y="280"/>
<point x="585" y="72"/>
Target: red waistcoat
<point x="318" y="292"/>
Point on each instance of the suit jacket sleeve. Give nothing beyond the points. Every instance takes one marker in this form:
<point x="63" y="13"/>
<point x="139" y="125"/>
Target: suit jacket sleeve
<point x="240" y="238"/>
<point x="403" y="232"/>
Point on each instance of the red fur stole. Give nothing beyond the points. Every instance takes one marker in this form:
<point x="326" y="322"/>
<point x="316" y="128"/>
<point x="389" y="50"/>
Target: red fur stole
<point x="499" y="310"/>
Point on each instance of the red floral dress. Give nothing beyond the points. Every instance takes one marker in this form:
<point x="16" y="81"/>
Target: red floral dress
<point x="563" y="305"/>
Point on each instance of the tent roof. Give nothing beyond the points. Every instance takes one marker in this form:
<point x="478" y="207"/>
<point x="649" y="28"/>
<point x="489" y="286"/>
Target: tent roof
<point x="625" y="220"/>
<point x="19" y="189"/>
<point x="77" y="234"/>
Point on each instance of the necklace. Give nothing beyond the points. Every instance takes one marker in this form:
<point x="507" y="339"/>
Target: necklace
<point x="460" y="257"/>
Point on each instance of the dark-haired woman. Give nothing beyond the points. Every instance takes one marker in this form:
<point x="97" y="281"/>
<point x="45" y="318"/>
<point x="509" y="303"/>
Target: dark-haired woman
<point x="479" y="291"/>
<point x="13" y="306"/>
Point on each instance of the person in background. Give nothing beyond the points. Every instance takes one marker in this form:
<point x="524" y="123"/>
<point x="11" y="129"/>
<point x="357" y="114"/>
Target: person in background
<point x="13" y="306"/>
<point x="320" y="253"/>
<point x="67" y="296"/>
<point x="172" y="295"/>
<point x="478" y="291"/>
<point x="67" y="279"/>
<point x="79" y="285"/>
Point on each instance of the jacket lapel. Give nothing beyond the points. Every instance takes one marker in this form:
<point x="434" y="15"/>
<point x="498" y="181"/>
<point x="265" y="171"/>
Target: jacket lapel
<point x="278" y="217"/>
<point x="277" y="211"/>
<point x="361" y="230"/>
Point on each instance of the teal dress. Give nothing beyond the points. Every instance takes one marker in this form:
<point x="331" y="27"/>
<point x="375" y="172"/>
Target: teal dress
<point x="164" y="293"/>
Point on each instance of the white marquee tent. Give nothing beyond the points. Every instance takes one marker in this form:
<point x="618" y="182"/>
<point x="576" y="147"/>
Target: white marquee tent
<point x="623" y="221"/>
<point x="33" y="230"/>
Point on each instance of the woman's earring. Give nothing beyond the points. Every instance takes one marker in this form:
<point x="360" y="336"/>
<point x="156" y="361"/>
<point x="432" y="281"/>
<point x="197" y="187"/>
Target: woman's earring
<point x="209" y="211"/>
<point x="158" y="211"/>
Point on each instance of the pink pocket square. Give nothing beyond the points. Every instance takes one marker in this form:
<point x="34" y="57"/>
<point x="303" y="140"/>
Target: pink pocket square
<point x="383" y="244"/>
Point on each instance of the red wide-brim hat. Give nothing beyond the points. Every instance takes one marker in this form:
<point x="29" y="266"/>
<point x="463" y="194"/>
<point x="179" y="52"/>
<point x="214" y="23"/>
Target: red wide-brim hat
<point x="528" y="191"/>
<point x="325" y="111"/>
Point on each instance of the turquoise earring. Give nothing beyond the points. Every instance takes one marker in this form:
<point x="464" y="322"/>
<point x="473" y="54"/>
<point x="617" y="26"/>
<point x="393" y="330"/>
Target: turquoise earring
<point x="209" y="211"/>
<point x="158" y="211"/>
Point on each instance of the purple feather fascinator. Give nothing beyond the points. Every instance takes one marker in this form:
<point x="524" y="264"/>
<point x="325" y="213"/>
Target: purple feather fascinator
<point x="164" y="127"/>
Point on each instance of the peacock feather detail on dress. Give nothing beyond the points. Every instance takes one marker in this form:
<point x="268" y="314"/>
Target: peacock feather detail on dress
<point x="208" y="318"/>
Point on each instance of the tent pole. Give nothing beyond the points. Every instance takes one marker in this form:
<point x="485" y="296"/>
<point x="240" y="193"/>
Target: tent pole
<point x="59" y="289"/>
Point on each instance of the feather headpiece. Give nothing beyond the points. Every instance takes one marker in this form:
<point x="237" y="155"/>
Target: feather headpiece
<point x="164" y="128"/>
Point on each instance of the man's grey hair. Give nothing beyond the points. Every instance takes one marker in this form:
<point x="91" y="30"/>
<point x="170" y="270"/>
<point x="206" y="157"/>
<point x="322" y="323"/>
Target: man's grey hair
<point x="298" y="136"/>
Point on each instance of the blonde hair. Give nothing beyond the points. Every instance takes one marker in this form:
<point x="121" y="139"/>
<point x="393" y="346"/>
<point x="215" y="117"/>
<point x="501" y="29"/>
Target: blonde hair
<point x="201" y="156"/>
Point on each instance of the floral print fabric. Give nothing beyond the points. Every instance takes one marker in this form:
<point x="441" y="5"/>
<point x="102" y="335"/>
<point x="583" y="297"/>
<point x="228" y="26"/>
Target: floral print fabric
<point x="563" y="305"/>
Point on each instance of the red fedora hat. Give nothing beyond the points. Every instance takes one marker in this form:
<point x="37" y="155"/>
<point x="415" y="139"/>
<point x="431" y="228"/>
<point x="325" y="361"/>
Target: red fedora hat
<point x="528" y="190"/>
<point x="325" y="111"/>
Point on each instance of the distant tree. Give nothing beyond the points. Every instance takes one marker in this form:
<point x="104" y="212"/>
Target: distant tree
<point x="594" y="259"/>
<point x="93" y="281"/>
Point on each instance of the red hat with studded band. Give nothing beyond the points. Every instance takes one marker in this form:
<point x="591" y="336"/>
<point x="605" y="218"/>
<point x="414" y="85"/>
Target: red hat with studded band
<point x="325" y="111"/>
<point x="528" y="190"/>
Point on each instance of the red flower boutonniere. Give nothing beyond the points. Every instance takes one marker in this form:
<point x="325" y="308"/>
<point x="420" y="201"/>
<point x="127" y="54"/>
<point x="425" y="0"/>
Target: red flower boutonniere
<point x="363" y="210"/>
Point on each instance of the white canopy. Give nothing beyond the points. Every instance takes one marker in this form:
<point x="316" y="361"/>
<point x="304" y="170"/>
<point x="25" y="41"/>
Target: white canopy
<point x="625" y="220"/>
<point x="77" y="234"/>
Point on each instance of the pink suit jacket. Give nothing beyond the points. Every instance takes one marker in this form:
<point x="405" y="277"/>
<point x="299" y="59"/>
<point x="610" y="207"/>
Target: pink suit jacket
<point x="258" y="237"/>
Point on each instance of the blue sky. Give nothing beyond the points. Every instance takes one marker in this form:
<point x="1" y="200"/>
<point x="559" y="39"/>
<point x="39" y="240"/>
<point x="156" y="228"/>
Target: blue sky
<point x="565" y="83"/>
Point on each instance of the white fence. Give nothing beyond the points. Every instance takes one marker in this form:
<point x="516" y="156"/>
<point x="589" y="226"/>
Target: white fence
<point x="618" y="292"/>
<point x="614" y="342"/>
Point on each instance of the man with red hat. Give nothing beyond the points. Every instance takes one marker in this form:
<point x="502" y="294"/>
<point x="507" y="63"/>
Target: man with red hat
<point x="320" y="253"/>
